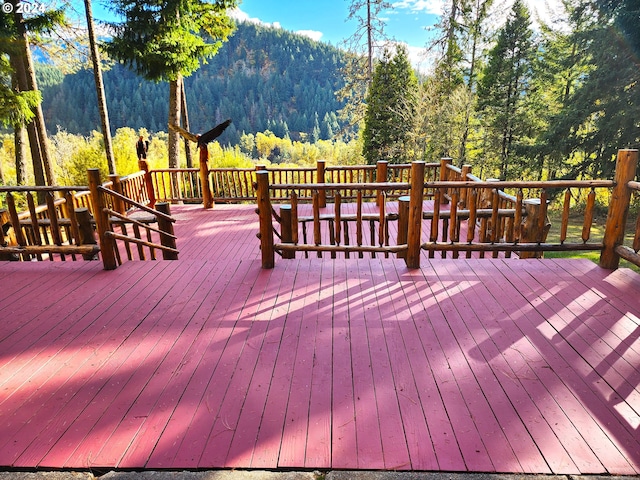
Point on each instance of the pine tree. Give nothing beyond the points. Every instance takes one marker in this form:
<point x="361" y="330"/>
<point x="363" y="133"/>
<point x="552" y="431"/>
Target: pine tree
<point x="361" y="47"/>
<point x="390" y="109"/>
<point x="164" y="41"/>
<point x="601" y="115"/>
<point x="504" y="87"/>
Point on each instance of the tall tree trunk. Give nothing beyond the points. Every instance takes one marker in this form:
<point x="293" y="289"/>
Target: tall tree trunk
<point x="370" y="41"/>
<point x="20" y="142"/>
<point x="174" y="118"/>
<point x="185" y="123"/>
<point x="30" y="75"/>
<point x="34" y="143"/>
<point x="102" y="101"/>
<point x="19" y="134"/>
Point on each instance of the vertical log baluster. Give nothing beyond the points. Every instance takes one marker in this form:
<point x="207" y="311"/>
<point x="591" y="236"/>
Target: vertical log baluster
<point x="36" y="239"/>
<point x="453" y="219"/>
<point x="317" y="235"/>
<point x="338" y="215"/>
<point x="588" y="216"/>
<point x="518" y="216"/>
<point x="472" y="200"/>
<point x="54" y="225"/>
<point x="636" y="237"/>
<point x="565" y="215"/>
<point x="403" y="223"/>
<point x="359" y="221"/>
<point x="542" y="219"/>
<point x="294" y="218"/>
<point x="383" y="216"/>
<point x="15" y="223"/>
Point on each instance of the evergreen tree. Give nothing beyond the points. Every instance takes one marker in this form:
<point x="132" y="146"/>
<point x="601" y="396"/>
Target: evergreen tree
<point x="390" y="109"/>
<point x="505" y="85"/>
<point x="601" y="115"/>
<point x="164" y="41"/>
<point x="357" y="72"/>
<point x="562" y="64"/>
<point x="16" y="32"/>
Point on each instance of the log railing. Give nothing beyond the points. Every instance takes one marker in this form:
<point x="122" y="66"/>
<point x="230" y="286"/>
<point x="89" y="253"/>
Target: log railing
<point x="614" y="235"/>
<point x="113" y="209"/>
<point x="493" y="222"/>
<point x="290" y="220"/>
<point x="630" y="253"/>
<point x="237" y="185"/>
<point x="466" y="216"/>
<point x="64" y="226"/>
<point x="54" y="230"/>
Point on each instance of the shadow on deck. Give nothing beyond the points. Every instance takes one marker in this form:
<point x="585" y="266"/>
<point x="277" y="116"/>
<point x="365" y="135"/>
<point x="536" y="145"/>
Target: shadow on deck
<point x="469" y="365"/>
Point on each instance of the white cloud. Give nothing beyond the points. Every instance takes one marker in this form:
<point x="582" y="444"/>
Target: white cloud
<point x="241" y="16"/>
<point x="312" y="34"/>
<point x="435" y="7"/>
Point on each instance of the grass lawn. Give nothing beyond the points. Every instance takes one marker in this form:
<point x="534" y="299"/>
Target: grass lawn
<point x="574" y="235"/>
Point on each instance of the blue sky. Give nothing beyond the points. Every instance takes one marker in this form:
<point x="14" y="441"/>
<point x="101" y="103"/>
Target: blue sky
<point x="326" y="20"/>
<point x="407" y="21"/>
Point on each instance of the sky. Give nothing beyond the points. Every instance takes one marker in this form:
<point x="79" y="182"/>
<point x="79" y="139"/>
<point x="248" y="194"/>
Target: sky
<point x="409" y="21"/>
<point x="327" y="20"/>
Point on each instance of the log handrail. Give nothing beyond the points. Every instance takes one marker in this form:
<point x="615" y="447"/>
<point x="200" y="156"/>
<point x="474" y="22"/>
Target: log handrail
<point x="104" y="223"/>
<point x="238" y="184"/>
<point x="496" y="221"/>
<point x="64" y="224"/>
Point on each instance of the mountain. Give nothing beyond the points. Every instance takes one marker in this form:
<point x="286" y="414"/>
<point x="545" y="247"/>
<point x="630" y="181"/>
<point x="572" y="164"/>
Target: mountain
<point x="262" y="78"/>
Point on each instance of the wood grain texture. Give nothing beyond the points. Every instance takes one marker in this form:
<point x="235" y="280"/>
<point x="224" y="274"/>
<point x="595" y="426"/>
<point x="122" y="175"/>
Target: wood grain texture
<point x="210" y="361"/>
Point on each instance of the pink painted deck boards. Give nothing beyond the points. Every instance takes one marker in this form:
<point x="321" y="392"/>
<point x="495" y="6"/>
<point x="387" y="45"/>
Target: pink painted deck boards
<point x="480" y="365"/>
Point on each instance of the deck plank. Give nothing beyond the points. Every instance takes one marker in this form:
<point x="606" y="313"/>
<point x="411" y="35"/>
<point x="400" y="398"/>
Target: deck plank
<point x="505" y="431"/>
<point x="562" y="376"/>
<point x="211" y="362"/>
<point x="344" y="447"/>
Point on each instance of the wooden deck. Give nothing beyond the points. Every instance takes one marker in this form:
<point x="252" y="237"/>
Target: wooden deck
<point x="499" y="365"/>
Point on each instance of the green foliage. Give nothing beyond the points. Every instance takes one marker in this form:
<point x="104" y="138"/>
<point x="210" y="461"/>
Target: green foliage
<point x="164" y="40"/>
<point x="262" y="78"/>
<point x="391" y="107"/>
<point x="74" y="154"/>
<point x="504" y="88"/>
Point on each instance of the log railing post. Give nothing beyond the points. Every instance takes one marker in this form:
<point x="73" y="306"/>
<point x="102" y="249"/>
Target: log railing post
<point x="118" y="204"/>
<point x="414" y="229"/>
<point x="381" y="177"/>
<point x="320" y="172"/>
<point x="535" y="226"/>
<point x="148" y="182"/>
<point x="264" y="214"/>
<point x="107" y="245"/>
<point x="5" y="240"/>
<point x="207" y="196"/>
<point x="85" y="231"/>
<point x="286" y="232"/>
<point x="444" y="176"/>
<point x="403" y="222"/>
<point x="626" y="165"/>
<point x="166" y="226"/>
<point x="464" y="192"/>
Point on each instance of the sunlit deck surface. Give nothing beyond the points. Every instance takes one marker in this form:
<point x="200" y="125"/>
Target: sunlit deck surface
<point x="477" y="365"/>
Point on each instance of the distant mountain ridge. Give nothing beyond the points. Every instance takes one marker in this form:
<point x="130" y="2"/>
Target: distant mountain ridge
<point x="262" y="78"/>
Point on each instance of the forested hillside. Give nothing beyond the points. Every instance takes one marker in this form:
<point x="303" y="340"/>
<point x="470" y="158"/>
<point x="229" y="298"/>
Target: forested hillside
<point x="263" y="79"/>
